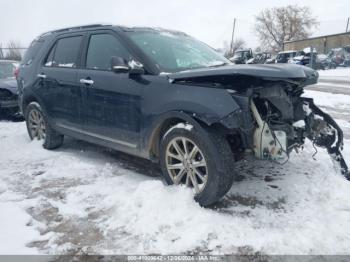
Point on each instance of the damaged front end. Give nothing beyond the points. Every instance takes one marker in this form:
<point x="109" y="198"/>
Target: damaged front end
<point x="284" y="119"/>
<point x="274" y="118"/>
<point x="325" y="132"/>
<point x="277" y="133"/>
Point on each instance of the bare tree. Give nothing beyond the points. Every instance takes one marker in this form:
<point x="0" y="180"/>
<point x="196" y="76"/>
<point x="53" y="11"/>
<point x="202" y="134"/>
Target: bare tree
<point x="14" y="51"/>
<point x="277" y="25"/>
<point x="239" y="43"/>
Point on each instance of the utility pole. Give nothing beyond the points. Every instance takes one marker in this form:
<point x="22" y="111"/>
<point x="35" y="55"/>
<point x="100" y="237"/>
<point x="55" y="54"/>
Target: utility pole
<point x="347" y="25"/>
<point x="311" y="57"/>
<point x="233" y="33"/>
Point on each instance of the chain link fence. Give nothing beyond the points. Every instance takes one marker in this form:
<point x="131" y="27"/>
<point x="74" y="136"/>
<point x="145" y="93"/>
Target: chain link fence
<point x="12" y="53"/>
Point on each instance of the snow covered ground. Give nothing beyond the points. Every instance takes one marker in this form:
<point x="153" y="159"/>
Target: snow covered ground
<point x="340" y="72"/>
<point x="82" y="198"/>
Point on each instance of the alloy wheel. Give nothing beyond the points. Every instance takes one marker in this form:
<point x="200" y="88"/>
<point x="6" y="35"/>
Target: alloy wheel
<point x="36" y="124"/>
<point x="186" y="164"/>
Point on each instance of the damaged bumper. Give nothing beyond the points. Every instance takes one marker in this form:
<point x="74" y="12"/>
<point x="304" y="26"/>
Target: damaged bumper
<point x="324" y="132"/>
<point x="275" y="141"/>
<point x="278" y="120"/>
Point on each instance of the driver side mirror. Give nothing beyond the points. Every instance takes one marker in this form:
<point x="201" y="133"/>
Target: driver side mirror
<point x="120" y="65"/>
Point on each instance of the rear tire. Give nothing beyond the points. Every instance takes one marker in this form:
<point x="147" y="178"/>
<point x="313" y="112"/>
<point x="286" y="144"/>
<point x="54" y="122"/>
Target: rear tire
<point x="213" y="150"/>
<point x="38" y="127"/>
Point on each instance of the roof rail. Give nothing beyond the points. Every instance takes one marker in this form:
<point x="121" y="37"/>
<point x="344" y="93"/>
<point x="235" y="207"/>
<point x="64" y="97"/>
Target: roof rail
<point x="78" y="27"/>
<point x="73" y="28"/>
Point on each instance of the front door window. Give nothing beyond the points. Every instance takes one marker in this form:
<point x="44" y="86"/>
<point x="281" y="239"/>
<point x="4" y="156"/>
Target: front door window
<point x="101" y="48"/>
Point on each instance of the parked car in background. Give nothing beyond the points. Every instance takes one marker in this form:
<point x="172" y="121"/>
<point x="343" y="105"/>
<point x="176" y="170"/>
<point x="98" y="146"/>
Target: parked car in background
<point x="312" y="59"/>
<point x="242" y="56"/>
<point x="167" y="97"/>
<point x="346" y="58"/>
<point x="340" y="56"/>
<point x="8" y="88"/>
<point x="325" y="62"/>
<point x="284" y="56"/>
<point x="304" y="57"/>
<point x="259" y="58"/>
<point x="271" y="60"/>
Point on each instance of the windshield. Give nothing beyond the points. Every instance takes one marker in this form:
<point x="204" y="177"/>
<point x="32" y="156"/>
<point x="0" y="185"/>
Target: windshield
<point x="285" y="55"/>
<point x="173" y="52"/>
<point x="6" y="70"/>
<point x="238" y="54"/>
<point x="280" y="56"/>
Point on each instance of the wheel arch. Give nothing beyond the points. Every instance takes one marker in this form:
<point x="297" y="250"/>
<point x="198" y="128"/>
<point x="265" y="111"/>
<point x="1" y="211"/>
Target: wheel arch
<point x="166" y="121"/>
<point x="27" y="99"/>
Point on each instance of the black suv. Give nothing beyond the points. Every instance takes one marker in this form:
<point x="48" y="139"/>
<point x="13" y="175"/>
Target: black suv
<point x="162" y="95"/>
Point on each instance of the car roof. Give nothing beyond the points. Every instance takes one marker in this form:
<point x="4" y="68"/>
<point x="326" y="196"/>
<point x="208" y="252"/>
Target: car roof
<point x="153" y="29"/>
<point x="285" y="52"/>
<point x="105" y="26"/>
<point x="242" y="50"/>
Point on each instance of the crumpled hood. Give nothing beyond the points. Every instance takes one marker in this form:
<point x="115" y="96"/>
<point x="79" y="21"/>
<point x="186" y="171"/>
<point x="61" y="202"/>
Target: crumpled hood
<point x="9" y="84"/>
<point x="265" y="71"/>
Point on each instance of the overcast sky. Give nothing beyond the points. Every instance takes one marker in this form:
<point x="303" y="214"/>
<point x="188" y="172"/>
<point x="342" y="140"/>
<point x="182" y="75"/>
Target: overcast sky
<point x="207" y="20"/>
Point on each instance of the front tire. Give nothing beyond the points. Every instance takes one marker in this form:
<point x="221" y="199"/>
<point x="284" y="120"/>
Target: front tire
<point x="38" y="127"/>
<point x="202" y="161"/>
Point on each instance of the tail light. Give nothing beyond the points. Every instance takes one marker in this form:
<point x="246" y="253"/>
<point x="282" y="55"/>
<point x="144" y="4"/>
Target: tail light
<point x="16" y="72"/>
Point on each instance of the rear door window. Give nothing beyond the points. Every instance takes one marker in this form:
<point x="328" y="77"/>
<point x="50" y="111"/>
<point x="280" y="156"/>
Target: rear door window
<point x="65" y="52"/>
<point x="101" y="49"/>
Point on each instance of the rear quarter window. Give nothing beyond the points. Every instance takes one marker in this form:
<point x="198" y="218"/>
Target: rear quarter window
<point x="32" y="51"/>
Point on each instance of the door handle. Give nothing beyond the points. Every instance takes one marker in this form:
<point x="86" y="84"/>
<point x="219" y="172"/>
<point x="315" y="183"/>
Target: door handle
<point x="42" y="76"/>
<point x="87" y="81"/>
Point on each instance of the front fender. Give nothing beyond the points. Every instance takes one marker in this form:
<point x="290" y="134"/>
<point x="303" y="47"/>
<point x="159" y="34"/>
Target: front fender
<point x="151" y="134"/>
<point x="163" y="101"/>
<point x="208" y="104"/>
